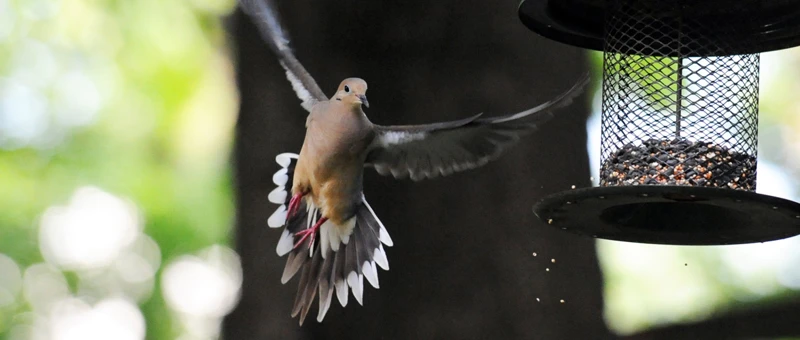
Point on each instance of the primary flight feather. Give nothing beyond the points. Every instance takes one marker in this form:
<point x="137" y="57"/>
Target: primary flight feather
<point x="331" y="235"/>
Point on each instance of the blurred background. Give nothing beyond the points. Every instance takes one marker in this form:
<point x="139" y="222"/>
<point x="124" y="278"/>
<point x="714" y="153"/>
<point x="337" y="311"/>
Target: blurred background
<point x="123" y="190"/>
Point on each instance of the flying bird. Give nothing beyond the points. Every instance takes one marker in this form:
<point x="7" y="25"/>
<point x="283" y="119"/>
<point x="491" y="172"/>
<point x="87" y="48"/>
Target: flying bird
<point x="331" y="234"/>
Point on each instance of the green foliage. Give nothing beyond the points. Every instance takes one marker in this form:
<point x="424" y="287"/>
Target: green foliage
<point x="159" y="137"/>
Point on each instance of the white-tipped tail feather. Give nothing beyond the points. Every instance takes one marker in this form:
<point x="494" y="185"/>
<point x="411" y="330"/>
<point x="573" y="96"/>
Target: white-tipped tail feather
<point x="278" y="218"/>
<point x="285" y="159"/>
<point x="370" y="273"/>
<point x="341" y="256"/>
<point x="285" y="243"/>
<point x="356" y="283"/>
<point x="280" y="178"/>
<point x="380" y="258"/>
<point x="341" y="292"/>
<point x="278" y="196"/>
<point x="384" y="235"/>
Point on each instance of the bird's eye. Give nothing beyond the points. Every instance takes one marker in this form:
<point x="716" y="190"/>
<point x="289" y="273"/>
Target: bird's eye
<point x="347" y="89"/>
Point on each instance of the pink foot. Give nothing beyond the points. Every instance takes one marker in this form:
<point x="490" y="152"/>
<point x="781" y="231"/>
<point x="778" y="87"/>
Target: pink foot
<point x="294" y="205"/>
<point x="310" y="232"/>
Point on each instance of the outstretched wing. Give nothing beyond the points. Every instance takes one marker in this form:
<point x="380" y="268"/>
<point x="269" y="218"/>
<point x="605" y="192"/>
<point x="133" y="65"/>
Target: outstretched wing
<point x="431" y="150"/>
<point x="266" y="19"/>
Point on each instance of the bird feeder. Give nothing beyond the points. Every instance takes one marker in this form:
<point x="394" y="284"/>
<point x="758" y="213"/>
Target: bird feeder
<point x="679" y="123"/>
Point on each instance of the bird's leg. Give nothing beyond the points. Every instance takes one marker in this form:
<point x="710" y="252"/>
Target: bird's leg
<point x="294" y="205"/>
<point x="304" y="234"/>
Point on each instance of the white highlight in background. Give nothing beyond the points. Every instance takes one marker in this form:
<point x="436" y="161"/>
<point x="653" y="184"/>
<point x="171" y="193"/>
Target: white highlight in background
<point x="90" y="232"/>
<point x="118" y="319"/>
<point x="206" y="285"/>
<point x="10" y="281"/>
<point x="43" y="285"/>
<point x="202" y="289"/>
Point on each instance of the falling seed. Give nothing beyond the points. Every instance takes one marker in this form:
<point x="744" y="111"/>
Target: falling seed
<point x="534" y="254"/>
<point x="685" y="264"/>
<point x="562" y="301"/>
<point x="573" y="186"/>
<point x="547" y="269"/>
<point x="553" y="260"/>
<point x="550" y="221"/>
<point x="591" y="178"/>
<point x="537" y="300"/>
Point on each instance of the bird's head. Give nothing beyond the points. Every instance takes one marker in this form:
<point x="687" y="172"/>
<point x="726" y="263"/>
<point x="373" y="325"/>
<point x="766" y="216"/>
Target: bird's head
<point x="352" y="91"/>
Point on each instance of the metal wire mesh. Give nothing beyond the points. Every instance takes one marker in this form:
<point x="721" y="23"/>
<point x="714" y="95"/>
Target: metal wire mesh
<point x="672" y="115"/>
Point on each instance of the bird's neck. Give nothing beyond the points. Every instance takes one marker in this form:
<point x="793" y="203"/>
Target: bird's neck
<point x="338" y="127"/>
<point x="343" y="121"/>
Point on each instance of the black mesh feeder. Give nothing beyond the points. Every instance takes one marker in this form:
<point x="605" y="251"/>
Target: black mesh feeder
<point x="679" y="123"/>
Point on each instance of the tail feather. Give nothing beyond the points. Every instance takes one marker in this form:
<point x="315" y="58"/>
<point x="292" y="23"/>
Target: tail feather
<point x="372" y="219"/>
<point x="285" y="243"/>
<point x="380" y="258"/>
<point x="333" y="264"/>
<point x="277" y="219"/>
<point x="338" y="276"/>
<point x="353" y="269"/>
<point x="325" y="286"/>
<point x="368" y="233"/>
<point x="294" y="262"/>
<point x="308" y="287"/>
<point x="370" y="274"/>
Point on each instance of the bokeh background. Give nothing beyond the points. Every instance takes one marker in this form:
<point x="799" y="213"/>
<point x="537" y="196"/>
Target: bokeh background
<point x="117" y="216"/>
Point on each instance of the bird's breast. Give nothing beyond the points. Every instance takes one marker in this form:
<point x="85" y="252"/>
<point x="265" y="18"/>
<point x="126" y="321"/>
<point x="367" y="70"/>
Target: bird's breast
<point x="338" y="139"/>
<point x="334" y="162"/>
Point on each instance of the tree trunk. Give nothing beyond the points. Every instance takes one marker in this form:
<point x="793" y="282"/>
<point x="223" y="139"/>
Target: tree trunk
<point x="462" y="264"/>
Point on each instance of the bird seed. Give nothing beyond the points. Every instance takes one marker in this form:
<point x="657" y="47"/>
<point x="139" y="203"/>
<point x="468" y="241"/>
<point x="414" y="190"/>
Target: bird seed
<point x="679" y="162"/>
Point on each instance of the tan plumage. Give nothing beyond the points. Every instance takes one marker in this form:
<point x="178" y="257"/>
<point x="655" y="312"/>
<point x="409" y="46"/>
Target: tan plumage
<point x="331" y="160"/>
<point x="331" y="233"/>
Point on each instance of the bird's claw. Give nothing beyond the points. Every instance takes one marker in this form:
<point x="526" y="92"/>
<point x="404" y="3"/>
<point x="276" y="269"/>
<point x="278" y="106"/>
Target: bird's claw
<point x="310" y="232"/>
<point x="304" y="235"/>
<point x="294" y="205"/>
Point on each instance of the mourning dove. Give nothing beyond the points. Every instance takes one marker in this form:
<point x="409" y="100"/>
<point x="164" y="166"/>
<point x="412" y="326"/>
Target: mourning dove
<point x="331" y="232"/>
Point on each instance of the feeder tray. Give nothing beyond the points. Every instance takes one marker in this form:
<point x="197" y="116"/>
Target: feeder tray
<point x="679" y="123"/>
<point x="671" y="215"/>
<point x="742" y="26"/>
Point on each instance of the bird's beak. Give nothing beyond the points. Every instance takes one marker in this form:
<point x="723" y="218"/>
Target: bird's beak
<point x="363" y="99"/>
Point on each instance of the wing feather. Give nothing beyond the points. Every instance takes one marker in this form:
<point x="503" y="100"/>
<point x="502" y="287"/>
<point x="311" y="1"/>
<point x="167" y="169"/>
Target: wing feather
<point x="273" y="33"/>
<point x="439" y="149"/>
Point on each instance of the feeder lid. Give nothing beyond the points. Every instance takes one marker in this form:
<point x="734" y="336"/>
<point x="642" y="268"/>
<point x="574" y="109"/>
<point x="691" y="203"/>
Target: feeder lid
<point x="732" y="24"/>
<point x="677" y="215"/>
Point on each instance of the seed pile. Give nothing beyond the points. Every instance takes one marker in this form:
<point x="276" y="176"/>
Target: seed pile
<point x="679" y="162"/>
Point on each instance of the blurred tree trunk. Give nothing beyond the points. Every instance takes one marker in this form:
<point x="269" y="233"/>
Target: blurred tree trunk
<point x="462" y="264"/>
